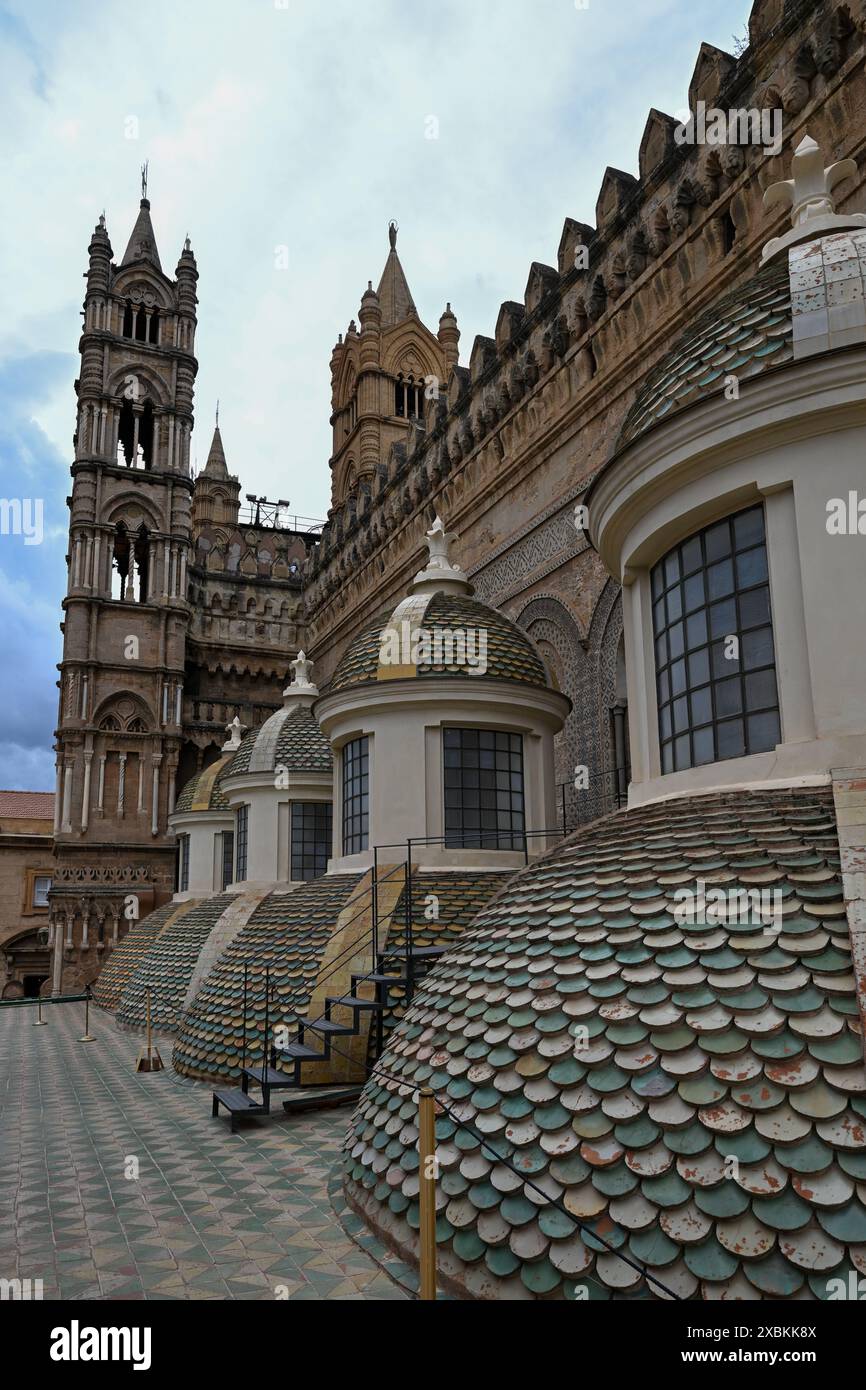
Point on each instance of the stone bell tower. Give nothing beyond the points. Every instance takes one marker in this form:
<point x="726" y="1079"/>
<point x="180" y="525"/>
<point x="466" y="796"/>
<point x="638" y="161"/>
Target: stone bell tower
<point x="125" y="612"/>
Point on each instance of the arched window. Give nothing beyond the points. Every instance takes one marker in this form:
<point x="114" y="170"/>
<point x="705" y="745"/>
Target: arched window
<point x="409" y="397"/>
<point x="356" y="795"/>
<point x="127" y="319"/>
<point x="130" y="563"/>
<point x="153" y="329"/>
<point x="135" y="435"/>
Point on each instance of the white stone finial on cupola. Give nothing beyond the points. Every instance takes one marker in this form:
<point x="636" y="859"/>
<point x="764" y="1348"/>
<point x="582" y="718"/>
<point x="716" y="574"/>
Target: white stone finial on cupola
<point x="809" y="195"/>
<point x="440" y="574"/>
<point x="235" y="731"/>
<point x="301" y="687"/>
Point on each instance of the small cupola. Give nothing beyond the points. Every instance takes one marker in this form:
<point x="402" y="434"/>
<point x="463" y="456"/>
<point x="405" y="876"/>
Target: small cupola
<point x="279" y="791"/>
<point x="454" y="690"/>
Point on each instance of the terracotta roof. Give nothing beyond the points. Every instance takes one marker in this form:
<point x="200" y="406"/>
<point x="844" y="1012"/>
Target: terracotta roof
<point x="692" y="1091"/>
<point x="744" y="333"/>
<point x="26" y="805"/>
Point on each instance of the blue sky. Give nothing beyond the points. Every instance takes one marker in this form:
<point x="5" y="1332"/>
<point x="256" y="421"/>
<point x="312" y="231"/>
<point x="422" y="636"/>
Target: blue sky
<point x="300" y="123"/>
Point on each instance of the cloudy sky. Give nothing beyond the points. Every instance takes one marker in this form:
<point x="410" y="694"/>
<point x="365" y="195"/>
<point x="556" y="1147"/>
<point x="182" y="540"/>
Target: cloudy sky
<point x="303" y="124"/>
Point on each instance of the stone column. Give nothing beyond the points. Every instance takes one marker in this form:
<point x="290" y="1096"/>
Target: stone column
<point x="121" y="783"/>
<point x="154" y="819"/>
<point x="100" y="793"/>
<point x="66" y="823"/>
<point x="85" y="799"/>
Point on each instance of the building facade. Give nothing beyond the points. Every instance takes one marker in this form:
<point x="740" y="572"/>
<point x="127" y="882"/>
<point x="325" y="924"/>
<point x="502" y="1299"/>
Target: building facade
<point x="180" y="615"/>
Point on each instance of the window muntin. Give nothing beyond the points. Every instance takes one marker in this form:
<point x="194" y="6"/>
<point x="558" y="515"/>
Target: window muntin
<point x="241" y="830"/>
<point x="183" y="877"/>
<point x="484" y="806"/>
<point x="356" y="795"/>
<point x="711" y="588"/>
<point x="228" y="857"/>
<point x="311" y="838"/>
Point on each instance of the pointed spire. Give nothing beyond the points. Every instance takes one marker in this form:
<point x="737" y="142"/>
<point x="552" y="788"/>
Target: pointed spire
<point x="216" y="466"/>
<point x="142" y="242"/>
<point x="394" y="294"/>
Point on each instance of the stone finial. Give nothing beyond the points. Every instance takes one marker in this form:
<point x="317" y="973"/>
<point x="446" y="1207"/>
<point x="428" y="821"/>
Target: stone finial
<point x="809" y="195"/>
<point x="440" y="573"/>
<point x="300" y="687"/>
<point x="439" y="543"/>
<point x="235" y="731"/>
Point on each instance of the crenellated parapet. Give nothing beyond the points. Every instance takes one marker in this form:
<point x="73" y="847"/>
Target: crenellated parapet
<point x="564" y="365"/>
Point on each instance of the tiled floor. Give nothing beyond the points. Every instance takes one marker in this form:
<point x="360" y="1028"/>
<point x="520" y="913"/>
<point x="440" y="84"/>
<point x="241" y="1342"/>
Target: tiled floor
<point x="210" y="1215"/>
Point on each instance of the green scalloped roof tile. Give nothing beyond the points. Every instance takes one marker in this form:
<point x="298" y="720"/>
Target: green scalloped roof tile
<point x="666" y="1190"/>
<point x="854" y="1164"/>
<point x="723" y="1044"/>
<point x="702" y="1090"/>
<point x="638" y="1133"/>
<point x="778" y="1046"/>
<point x="746" y="1147"/>
<point x="710" y="1261"/>
<point x="725" y="1200"/>
<point x="615" y="1181"/>
<point x="653" y="1247"/>
<point x="774" y="1275"/>
<point x="825" y="1284"/>
<point x="653" y="1084"/>
<point x="784" y="1212"/>
<point x="846" y="1224"/>
<point x="694" y="1139"/>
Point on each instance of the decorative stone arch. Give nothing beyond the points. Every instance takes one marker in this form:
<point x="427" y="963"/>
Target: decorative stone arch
<point x="408" y="350"/>
<point x="152" y="387"/>
<point x="132" y="509"/>
<point x="138" y="282"/>
<point x="557" y="635"/>
<point x="126" y="708"/>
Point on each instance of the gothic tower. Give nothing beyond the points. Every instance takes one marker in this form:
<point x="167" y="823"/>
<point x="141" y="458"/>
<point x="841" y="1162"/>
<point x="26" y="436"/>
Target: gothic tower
<point x="125" y="612"/>
<point x="382" y="377"/>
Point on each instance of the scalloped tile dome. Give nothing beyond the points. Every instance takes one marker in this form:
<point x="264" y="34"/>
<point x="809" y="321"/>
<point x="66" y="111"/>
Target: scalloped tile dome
<point x="711" y="1124"/>
<point x="511" y="654"/>
<point x="204" y="792"/>
<point x="745" y="332"/>
<point x="288" y="738"/>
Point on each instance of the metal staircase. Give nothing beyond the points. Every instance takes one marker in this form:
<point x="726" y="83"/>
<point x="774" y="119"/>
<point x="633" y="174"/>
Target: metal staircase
<point x="396" y="968"/>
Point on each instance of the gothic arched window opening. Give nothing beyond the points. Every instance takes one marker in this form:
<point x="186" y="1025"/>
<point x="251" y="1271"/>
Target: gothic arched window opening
<point x="129" y="564"/>
<point x="135" y="435"/>
<point x="127" y="319"/>
<point x="409" y="397"/>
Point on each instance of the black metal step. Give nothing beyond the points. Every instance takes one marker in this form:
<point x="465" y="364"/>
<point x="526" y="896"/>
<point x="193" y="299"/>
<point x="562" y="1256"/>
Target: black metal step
<point x="238" y="1100"/>
<point x="238" y="1103"/>
<point x="352" y="1001"/>
<point x="310" y="1097"/>
<point x="268" y="1077"/>
<point x="325" y="1025"/>
<point x="418" y="952"/>
<point x="379" y="978"/>
<point x="299" y="1052"/>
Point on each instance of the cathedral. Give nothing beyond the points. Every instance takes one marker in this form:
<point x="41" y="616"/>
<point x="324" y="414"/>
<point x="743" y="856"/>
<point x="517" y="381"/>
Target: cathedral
<point x="413" y="796"/>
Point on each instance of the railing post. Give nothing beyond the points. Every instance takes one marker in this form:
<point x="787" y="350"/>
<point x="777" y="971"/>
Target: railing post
<point x="410" y="947"/>
<point x="375" y="904"/>
<point x="87" y="1034"/>
<point x="427" y="1191"/>
<point x="244" y="1024"/>
<point x="40" y="1021"/>
<point x="267" y="1022"/>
